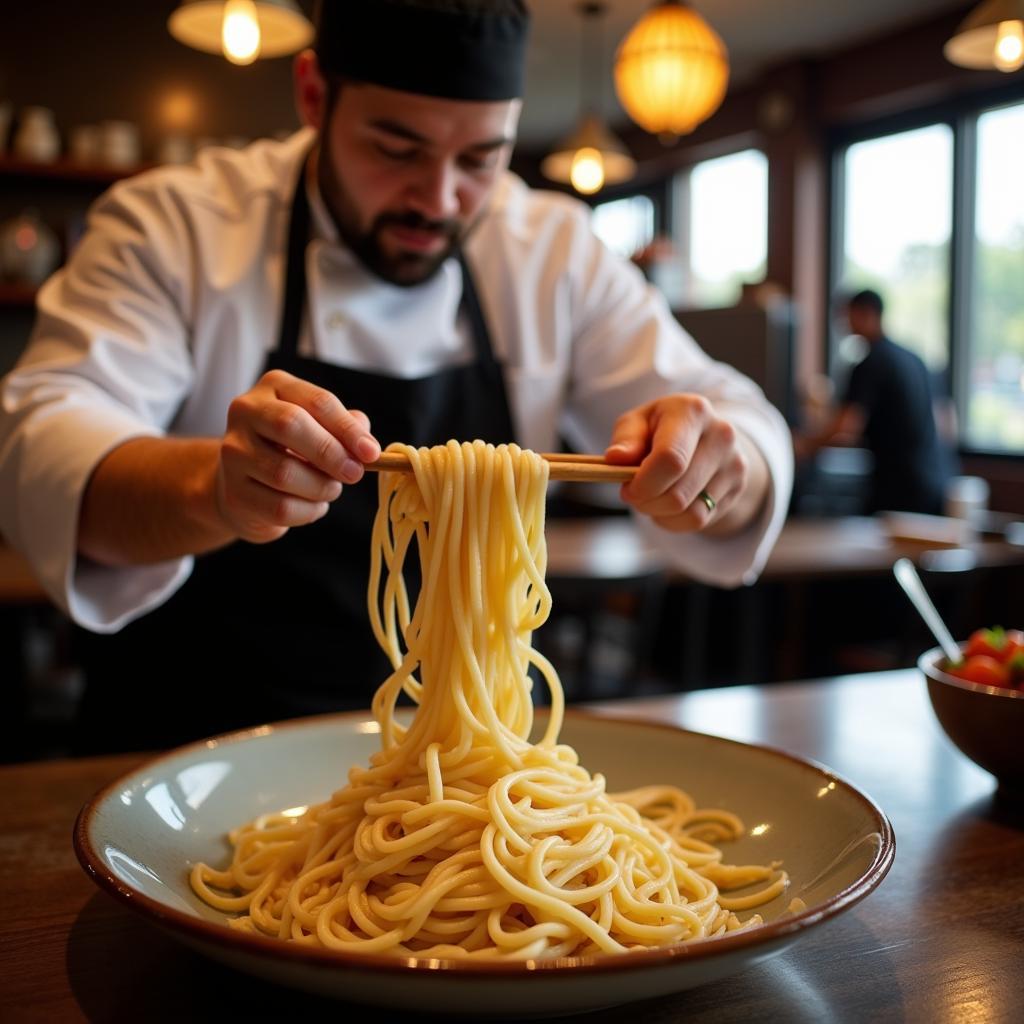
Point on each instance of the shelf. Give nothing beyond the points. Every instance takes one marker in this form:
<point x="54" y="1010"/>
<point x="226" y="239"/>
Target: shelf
<point x="17" y="296"/>
<point x="66" y="170"/>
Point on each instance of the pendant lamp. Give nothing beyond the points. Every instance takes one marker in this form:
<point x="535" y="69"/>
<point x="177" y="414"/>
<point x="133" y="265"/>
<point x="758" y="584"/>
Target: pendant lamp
<point x="671" y="70"/>
<point x="991" y="36"/>
<point x="591" y="157"/>
<point x="242" y="30"/>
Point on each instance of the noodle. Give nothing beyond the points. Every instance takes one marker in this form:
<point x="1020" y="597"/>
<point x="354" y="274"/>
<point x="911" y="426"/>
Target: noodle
<point x="462" y="837"/>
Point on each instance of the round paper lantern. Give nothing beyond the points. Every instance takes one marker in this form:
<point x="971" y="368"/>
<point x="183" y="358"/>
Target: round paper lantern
<point x="672" y="70"/>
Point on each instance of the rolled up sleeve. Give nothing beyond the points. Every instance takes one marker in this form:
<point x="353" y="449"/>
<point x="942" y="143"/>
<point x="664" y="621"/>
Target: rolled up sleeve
<point x="108" y="361"/>
<point x="628" y="350"/>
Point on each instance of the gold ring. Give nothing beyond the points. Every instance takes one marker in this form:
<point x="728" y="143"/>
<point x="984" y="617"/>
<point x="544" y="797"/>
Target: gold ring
<point x="708" y="500"/>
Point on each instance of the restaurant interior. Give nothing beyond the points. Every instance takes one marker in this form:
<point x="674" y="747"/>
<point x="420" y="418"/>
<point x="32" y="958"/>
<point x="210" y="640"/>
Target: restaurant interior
<point x="802" y="184"/>
<point x="829" y="148"/>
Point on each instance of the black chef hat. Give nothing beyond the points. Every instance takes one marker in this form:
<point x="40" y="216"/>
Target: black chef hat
<point x="456" y="49"/>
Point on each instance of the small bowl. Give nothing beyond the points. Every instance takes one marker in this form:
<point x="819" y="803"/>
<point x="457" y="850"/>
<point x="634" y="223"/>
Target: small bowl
<point x="985" y="722"/>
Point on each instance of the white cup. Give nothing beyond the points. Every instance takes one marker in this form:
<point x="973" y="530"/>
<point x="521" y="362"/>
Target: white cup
<point x="175" y="149"/>
<point x="84" y="144"/>
<point x="37" y="138"/>
<point x="967" y="498"/>
<point x="120" y="146"/>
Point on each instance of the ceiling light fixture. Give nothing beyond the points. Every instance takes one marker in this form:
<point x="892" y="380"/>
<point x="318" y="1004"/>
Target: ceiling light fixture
<point x="241" y="30"/>
<point x="672" y="70"/>
<point x="591" y="157"/>
<point x="991" y="36"/>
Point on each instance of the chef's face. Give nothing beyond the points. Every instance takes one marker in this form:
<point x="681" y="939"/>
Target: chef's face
<point x="406" y="176"/>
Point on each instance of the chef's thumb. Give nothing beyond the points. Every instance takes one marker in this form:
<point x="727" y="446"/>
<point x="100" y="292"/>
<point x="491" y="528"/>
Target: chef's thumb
<point x="366" y="448"/>
<point x="630" y="438"/>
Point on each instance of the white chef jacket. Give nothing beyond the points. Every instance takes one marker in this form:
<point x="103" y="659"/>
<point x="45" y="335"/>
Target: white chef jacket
<point x="170" y="303"/>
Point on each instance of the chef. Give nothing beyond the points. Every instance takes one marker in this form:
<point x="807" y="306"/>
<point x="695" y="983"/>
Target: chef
<point x="183" y="443"/>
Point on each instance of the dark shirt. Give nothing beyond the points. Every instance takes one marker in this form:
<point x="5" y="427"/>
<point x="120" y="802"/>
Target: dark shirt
<point x="892" y="386"/>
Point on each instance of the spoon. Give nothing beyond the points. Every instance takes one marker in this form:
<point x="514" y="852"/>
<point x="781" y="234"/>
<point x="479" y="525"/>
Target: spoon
<point x="906" y="576"/>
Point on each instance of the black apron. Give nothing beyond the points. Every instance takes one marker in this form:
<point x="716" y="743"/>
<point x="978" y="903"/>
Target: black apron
<point x="261" y="632"/>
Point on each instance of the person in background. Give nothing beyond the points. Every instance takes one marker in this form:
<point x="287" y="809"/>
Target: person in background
<point x="183" y="443"/>
<point x="888" y="407"/>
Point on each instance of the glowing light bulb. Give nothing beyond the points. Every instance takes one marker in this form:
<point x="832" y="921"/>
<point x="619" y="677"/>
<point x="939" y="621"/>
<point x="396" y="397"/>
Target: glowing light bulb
<point x="1009" y="52"/>
<point x="240" y="32"/>
<point x="587" y="171"/>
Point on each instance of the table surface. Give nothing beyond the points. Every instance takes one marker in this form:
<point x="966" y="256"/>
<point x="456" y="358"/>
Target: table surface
<point x="611" y="547"/>
<point x="942" y="939"/>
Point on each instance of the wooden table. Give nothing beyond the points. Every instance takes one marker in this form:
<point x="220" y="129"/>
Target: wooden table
<point x="807" y="549"/>
<point x="611" y="548"/>
<point x="811" y="558"/>
<point x="941" y="940"/>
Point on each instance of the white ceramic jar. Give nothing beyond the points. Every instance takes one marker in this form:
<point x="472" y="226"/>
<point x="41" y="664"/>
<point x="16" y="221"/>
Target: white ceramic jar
<point x="84" y="144"/>
<point x="175" y="149"/>
<point x="37" y="138"/>
<point x="120" y="143"/>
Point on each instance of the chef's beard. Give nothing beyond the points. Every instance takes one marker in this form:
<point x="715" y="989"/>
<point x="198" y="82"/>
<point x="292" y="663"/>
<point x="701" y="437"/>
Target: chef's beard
<point x="404" y="268"/>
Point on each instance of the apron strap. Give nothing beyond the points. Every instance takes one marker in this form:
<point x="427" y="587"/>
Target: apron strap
<point x="482" y="345"/>
<point x="295" y="272"/>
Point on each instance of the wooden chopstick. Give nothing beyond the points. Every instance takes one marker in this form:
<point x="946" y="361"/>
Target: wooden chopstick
<point x="564" y="466"/>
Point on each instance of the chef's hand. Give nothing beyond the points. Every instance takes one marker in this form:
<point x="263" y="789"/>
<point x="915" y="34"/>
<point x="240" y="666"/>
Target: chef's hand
<point x="288" y="448"/>
<point x="686" y="452"/>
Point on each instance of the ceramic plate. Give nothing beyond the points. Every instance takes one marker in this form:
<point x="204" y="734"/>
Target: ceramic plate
<point x="139" y="837"/>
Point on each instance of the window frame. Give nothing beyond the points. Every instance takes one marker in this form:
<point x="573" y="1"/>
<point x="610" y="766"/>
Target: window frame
<point x="961" y="115"/>
<point x="662" y="191"/>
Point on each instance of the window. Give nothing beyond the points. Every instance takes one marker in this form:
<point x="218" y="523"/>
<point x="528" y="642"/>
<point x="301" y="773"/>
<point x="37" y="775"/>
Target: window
<point x="896" y="226"/>
<point x="625" y="225"/>
<point x="994" y="346"/>
<point x="962" y="311"/>
<point x="722" y="226"/>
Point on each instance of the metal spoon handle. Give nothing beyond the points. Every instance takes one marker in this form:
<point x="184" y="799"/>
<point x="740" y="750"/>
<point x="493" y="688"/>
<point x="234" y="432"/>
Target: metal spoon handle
<point x="908" y="579"/>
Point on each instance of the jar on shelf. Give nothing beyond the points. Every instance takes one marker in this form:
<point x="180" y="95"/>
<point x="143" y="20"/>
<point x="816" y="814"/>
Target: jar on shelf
<point x="84" y="144"/>
<point x="29" y="250"/>
<point x="175" y="149"/>
<point x="120" y="143"/>
<point x="37" y="138"/>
